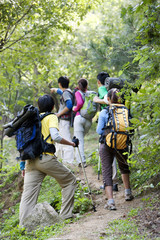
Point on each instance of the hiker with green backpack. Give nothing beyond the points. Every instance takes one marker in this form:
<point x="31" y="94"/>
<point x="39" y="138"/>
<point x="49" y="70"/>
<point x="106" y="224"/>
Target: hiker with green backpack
<point x="85" y="110"/>
<point x="112" y="126"/>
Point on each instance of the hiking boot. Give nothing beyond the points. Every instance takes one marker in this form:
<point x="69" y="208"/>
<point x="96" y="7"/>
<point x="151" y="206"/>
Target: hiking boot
<point x="129" y="197"/>
<point x="110" y="206"/>
<point x="115" y="187"/>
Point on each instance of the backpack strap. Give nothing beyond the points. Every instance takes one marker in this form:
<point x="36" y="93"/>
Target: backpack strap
<point x="44" y="115"/>
<point x="82" y="94"/>
<point x="72" y="95"/>
<point x="114" y="132"/>
<point x="41" y="118"/>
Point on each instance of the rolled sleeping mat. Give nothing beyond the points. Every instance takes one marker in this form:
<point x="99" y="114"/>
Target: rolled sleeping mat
<point x="12" y="126"/>
<point x="115" y="83"/>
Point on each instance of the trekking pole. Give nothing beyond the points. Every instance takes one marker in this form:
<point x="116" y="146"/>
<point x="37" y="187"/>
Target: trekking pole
<point x="99" y="163"/>
<point x="84" y="172"/>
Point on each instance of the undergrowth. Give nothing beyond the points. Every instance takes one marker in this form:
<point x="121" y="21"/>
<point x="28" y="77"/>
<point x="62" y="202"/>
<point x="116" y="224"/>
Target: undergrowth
<point x="141" y="223"/>
<point x="142" y="173"/>
<point x="50" y="192"/>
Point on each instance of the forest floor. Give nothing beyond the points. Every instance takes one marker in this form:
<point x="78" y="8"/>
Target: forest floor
<point x="93" y="225"/>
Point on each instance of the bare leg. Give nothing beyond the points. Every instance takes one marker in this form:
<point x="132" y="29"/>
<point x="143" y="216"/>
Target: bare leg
<point x="125" y="179"/>
<point x="109" y="192"/>
<point x="110" y="204"/>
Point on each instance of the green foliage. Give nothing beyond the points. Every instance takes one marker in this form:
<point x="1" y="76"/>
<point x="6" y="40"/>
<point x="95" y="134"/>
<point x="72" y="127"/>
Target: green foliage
<point x="124" y="230"/>
<point x="31" y="34"/>
<point x="41" y="234"/>
<point x="93" y="160"/>
<point x="146" y="119"/>
<point x="135" y="224"/>
<point x="41" y="40"/>
<point x="9" y="151"/>
<point x="50" y="192"/>
<point x="8" y="174"/>
<point x="81" y="203"/>
<point x="53" y="195"/>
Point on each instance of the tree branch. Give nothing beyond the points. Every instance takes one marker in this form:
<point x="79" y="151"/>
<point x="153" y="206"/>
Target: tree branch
<point x="16" y="23"/>
<point x="15" y="41"/>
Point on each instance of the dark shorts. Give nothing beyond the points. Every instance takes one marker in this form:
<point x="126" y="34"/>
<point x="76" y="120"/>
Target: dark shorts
<point x="107" y="155"/>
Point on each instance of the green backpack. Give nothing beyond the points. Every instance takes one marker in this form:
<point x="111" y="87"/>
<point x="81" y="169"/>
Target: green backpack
<point x="89" y="108"/>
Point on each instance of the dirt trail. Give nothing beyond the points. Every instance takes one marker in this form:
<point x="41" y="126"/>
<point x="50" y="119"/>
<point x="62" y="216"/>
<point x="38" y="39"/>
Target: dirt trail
<point x="92" y="226"/>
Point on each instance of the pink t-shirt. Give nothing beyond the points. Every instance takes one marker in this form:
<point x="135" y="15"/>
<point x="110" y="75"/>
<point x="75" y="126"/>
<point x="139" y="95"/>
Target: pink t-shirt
<point x="79" y="102"/>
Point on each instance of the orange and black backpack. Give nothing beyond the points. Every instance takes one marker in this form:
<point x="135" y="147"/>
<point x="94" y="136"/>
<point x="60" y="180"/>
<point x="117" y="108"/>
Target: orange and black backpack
<point x="117" y="133"/>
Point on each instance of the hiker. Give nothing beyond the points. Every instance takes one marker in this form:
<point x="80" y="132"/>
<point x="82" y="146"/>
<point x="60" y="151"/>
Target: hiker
<point x="81" y="124"/>
<point x="102" y="93"/>
<point x="37" y="169"/>
<point x="107" y="154"/>
<point x="64" y="114"/>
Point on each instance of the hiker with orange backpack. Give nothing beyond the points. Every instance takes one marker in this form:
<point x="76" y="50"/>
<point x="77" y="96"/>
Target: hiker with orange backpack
<point x="112" y="126"/>
<point x="102" y="92"/>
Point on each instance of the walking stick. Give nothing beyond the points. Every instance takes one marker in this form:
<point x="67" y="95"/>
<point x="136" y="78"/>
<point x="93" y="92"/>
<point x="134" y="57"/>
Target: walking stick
<point x="84" y="172"/>
<point x="99" y="164"/>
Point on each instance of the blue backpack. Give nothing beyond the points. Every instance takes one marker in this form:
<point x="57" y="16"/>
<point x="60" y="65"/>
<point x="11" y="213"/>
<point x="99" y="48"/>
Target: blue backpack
<point x="27" y="129"/>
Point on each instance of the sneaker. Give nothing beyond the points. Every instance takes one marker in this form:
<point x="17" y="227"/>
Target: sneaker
<point x="74" y="216"/>
<point x="110" y="206"/>
<point x="129" y="197"/>
<point x="115" y="187"/>
<point x="79" y="165"/>
<point x="84" y="165"/>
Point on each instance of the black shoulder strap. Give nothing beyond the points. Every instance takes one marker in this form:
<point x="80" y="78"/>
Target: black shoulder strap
<point x="68" y="91"/>
<point x="114" y="126"/>
<point x="43" y="116"/>
<point x="107" y="108"/>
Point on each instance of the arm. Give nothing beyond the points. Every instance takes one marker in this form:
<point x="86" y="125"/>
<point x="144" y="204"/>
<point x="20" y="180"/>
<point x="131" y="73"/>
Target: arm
<point x="57" y="138"/>
<point x="102" y="121"/>
<point x="22" y="167"/>
<point x="56" y="90"/>
<point x="79" y="102"/>
<point x="98" y="100"/>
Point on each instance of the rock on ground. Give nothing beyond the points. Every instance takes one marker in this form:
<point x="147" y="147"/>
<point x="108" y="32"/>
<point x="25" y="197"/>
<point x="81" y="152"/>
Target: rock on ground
<point x="42" y="215"/>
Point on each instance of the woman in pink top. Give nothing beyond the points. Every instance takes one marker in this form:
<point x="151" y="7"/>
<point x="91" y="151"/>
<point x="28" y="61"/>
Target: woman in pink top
<point x="81" y="125"/>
